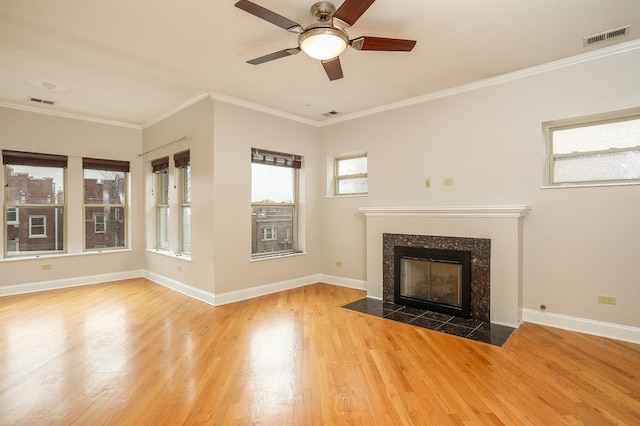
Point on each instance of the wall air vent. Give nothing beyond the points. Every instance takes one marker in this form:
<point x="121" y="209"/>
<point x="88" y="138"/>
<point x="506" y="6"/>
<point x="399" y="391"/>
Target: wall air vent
<point x="331" y="113"/>
<point x="606" y="36"/>
<point x="42" y="101"/>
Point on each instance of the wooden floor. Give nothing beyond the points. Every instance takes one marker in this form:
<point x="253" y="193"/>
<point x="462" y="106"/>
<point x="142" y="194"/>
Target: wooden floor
<point x="135" y="353"/>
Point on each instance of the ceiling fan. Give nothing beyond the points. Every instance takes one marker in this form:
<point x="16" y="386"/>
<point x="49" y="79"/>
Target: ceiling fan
<point x="326" y="39"/>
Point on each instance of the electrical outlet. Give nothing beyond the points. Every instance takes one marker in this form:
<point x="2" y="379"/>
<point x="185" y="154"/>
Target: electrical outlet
<point x="608" y="300"/>
<point x="427" y="182"/>
<point x="46" y="266"/>
<point x="338" y="263"/>
<point x="447" y="181"/>
<point x="179" y="267"/>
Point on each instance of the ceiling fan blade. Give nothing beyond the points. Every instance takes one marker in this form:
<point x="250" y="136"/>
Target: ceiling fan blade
<point x="382" y="44"/>
<point x="351" y="10"/>
<point x="333" y="68"/>
<point x="275" y="55"/>
<point x="269" y="16"/>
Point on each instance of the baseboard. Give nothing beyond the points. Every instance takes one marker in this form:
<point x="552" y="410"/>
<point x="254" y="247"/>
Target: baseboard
<point x="187" y="290"/>
<point x="263" y="290"/>
<point x="582" y="325"/>
<point x="11" y="290"/>
<point x="343" y="282"/>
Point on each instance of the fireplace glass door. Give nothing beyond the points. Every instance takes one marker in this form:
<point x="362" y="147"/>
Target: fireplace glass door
<point x="437" y="281"/>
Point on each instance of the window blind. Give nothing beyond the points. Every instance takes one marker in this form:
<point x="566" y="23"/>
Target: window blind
<point x="182" y="159"/>
<point x="33" y="159"/>
<point x="160" y="164"/>
<point x="272" y="158"/>
<point x="110" y="165"/>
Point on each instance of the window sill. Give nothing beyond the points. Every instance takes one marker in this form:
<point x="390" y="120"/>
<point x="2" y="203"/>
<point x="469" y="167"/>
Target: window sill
<point x="347" y="196"/>
<point x="588" y="185"/>
<point x="170" y="254"/>
<point x="277" y="256"/>
<point x="59" y="255"/>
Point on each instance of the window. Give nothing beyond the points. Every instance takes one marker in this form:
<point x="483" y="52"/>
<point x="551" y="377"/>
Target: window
<point x="105" y="203"/>
<point x="350" y="175"/>
<point x="182" y="161"/>
<point x="37" y="226"/>
<point x="594" y="150"/>
<point x="34" y="203"/>
<point x="99" y="225"/>
<point x="12" y="215"/>
<point x="160" y="169"/>
<point x="274" y="202"/>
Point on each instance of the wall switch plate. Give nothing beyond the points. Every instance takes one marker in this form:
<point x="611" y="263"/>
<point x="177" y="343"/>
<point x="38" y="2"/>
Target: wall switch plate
<point x="608" y="300"/>
<point x="427" y="182"/>
<point x="45" y="266"/>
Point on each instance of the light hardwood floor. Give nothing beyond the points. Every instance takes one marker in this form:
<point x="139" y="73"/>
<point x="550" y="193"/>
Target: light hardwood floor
<point x="135" y="353"/>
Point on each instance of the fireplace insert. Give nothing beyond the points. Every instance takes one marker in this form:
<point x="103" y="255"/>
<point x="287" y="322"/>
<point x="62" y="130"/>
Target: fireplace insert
<point x="433" y="279"/>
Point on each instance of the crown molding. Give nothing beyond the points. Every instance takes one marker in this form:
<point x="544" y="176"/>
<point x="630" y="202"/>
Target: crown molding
<point x="618" y="49"/>
<point x="268" y="110"/>
<point x="70" y="115"/>
<point x="183" y="105"/>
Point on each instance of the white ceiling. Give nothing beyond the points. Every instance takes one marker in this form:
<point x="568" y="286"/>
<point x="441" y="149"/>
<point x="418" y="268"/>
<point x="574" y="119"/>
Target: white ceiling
<point x="134" y="60"/>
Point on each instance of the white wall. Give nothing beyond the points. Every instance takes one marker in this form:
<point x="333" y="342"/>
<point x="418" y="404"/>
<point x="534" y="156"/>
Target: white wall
<point x="237" y="130"/>
<point x="578" y="242"/>
<point x="32" y="132"/>
<point x="222" y="136"/>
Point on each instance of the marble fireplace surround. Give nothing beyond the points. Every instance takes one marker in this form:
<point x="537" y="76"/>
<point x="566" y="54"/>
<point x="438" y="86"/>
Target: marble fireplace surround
<point x="501" y="224"/>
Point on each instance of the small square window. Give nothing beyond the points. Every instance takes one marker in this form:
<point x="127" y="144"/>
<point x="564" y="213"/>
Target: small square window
<point x="350" y="175"/>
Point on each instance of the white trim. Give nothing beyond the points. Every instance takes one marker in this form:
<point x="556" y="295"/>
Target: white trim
<point x="583" y="325"/>
<point x="263" y="290"/>
<point x="448" y="211"/>
<point x="11" y="290"/>
<point x="71" y="116"/>
<point x="183" y="105"/>
<point x="187" y="290"/>
<point x="343" y="282"/>
<point x="257" y="107"/>
<point x="527" y="72"/>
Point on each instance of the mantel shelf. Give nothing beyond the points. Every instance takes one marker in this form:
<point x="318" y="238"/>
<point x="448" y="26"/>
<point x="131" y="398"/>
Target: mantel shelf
<point x="449" y="211"/>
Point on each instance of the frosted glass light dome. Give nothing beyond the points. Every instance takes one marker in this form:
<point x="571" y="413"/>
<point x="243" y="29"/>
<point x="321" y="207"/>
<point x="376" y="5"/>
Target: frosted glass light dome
<point x="323" y="43"/>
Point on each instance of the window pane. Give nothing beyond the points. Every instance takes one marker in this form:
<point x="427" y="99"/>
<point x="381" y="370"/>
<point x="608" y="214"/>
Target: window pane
<point x="352" y="166"/>
<point x="271" y="229"/>
<point x="103" y="187"/>
<point x="186" y="229"/>
<point x="621" y="134"/>
<point x="352" y="186"/>
<point x="162" y="241"/>
<point x="104" y="227"/>
<point x="37" y="230"/>
<point x="600" y="167"/>
<point x="186" y="184"/>
<point x="272" y="184"/>
<point x="162" y="187"/>
<point x="34" y="185"/>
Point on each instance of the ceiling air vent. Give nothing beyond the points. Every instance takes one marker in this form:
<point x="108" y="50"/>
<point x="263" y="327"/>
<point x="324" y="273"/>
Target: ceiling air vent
<point x="331" y="113"/>
<point x="606" y="36"/>
<point x="42" y="101"/>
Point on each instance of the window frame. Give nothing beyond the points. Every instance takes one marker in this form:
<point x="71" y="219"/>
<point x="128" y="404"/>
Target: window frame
<point x="278" y="159"/>
<point x="16" y="213"/>
<point x="338" y="178"/>
<point x="44" y="226"/>
<point x="160" y="169"/>
<point x="182" y="162"/>
<point x="106" y="165"/>
<point x="584" y="122"/>
<point x="57" y="204"/>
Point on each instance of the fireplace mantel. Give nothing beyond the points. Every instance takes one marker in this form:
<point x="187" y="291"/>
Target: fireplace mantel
<point x="503" y="225"/>
<point x="449" y="211"/>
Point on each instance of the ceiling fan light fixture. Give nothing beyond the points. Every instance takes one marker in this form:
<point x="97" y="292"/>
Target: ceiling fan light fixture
<point x="323" y="43"/>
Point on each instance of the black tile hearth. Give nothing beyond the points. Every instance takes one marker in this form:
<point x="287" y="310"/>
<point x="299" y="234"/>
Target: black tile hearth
<point x="480" y="331"/>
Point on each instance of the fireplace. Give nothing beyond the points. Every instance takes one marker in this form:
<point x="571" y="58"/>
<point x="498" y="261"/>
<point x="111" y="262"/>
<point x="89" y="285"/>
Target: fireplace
<point x="433" y="279"/>
<point x="477" y="255"/>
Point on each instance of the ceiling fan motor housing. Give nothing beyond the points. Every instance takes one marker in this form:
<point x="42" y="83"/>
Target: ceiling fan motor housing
<point x="323" y="11"/>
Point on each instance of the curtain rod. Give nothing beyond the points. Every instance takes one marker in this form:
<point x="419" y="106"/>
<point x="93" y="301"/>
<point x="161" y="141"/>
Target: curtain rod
<point x="184" y="138"/>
